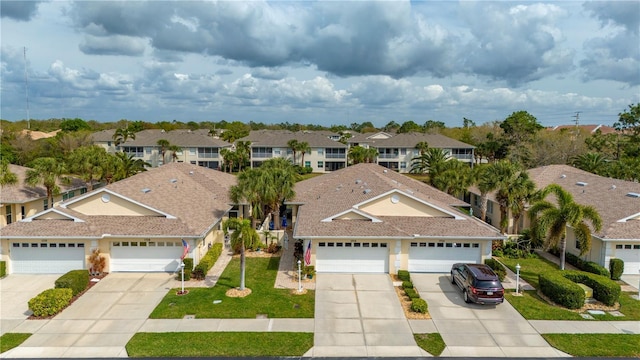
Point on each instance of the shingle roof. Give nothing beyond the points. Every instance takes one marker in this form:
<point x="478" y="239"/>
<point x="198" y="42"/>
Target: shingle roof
<point x="327" y="195"/>
<point x="20" y="193"/>
<point x="181" y="137"/>
<point x="410" y="140"/>
<point x="196" y="196"/>
<point x="279" y="138"/>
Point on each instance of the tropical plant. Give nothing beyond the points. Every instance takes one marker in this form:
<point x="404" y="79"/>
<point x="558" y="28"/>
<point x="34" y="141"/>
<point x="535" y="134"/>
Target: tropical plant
<point x="6" y="176"/>
<point x="175" y="149"/>
<point x="88" y="163"/>
<point x="121" y="135"/>
<point x="128" y="166"/>
<point x="277" y="178"/>
<point x="454" y="178"/>
<point x="491" y="177"/>
<point x="422" y="146"/>
<point x="550" y="221"/>
<point x="243" y="236"/>
<point x="243" y="151"/>
<point x="293" y="145"/>
<point x="164" y="146"/>
<point x="431" y="162"/>
<point x="247" y="191"/>
<point x="47" y="171"/>
<point x="515" y="194"/>
<point x="228" y="158"/>
<point x="358" y="154"/>
<point x="592" y="162"/>
<point x="304" y="148"/>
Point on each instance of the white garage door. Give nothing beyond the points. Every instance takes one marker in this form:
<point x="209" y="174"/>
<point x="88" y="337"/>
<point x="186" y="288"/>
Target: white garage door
<point x="439" y="256"/>
<point x="630" y="254"/>
<point x="145" y="256"/>
<point x="352" y="257"/>
<point x="46" y="258"/>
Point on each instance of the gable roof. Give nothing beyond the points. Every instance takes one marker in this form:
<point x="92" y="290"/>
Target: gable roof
<point x="179" y="137"/>
<point x="347" y="190"/>
<point x="188" y="199"/>
<point x="409" y="140"/>
<point x="279" y="138"/>
<point x="20" y="193"/>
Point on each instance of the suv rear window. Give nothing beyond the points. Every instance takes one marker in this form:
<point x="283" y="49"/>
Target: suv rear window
<point x="487" y="284"/>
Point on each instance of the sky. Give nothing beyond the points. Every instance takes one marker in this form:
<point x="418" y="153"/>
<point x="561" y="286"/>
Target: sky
<point x="320" y="62"/>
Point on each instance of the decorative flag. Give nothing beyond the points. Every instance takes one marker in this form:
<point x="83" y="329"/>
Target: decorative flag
<point x="185" y="246"/>
<point x="307" y="254"/>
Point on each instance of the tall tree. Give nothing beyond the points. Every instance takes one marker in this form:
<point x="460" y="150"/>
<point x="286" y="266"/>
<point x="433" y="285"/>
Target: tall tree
<point x="520" y="191"/>
<point x="243" y="235"/>
<point x="128" y="166"/>
<point x="304" y="148"/>
<point x="293" y="145"/>
<point x="431" y="162"/>
<point x="121" y="135"/>
<point x="422" y="147"/>
<point x="175" y="149"/>
<point x="243" y="149"/>
<point x="88" y="163"/>
<point x="164" y="146"/>
<point x="454" y="177"/>
<point x="409" y="126"/>
<point x="278" y="178"/>
<point x="594" y="163"/>
<point x="519" y="129"/>
<point x="228" y="158"/>
<point x="247" y="191"/>
<point x="6" y="176"/>
<point x="550" y="221"/>
<point x="48" y="172"/>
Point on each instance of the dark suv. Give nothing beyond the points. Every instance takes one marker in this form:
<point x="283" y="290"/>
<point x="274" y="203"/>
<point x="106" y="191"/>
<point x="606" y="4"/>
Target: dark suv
<point x="478" y="282"/>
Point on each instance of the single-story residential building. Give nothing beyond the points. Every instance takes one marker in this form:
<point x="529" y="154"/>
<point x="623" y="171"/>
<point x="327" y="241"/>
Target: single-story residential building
<point x="138" y="224"/>
<point x="369" y="219"/>
<point x="617" y="202"/>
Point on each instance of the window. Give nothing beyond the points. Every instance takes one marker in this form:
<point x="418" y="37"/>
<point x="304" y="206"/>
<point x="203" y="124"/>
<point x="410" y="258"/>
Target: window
<point x="43" y="245"/>
<point x="356" y="244"/>
<point x="307" y="164"/>
<point x="414" y="244"/>
<point x="383" y="245"/>
<point x="207" y="152"/>
<point x="115" y="243"/>
<point x="403" y="165"/>
<point x="53" y="245"/>
<point x="262" y="152"/>
<point x="440" y="245"/>
<point x="68" y="195"/>
<point x="71" y="245"/>
<point x="403" y="151"/>
<point x="136" y="151"/>
<point x="347" y="244"/>
<point x="9" y="215"/>
<point x="475" y="245"/>
<point x="490" y="207"/>
<point x="148" y="150"/>
<point x="365" y="244"/>
<point x="577" y="245"/>
<point x="34" y="245"/>
<point x="62" y="245"/>
<point x="330" y="244"/>
<point x="320" y="151"/>
<point x="192" y="151"/>
<point x="15" y="245"/>
<point x="23" y="211"/>
<point x="374" y="244"/>
<point x="320" y="164"/>
<point x="449" y="245"/>
<point x="80" y="245"/>
<point x="618" y="246"/>
<point x="134" y="243"/>
<point x="627" y="246"/>
<point x="431" y="244"/>
<point x="467" y="245"/>
<point x="208" y="164"/>
<point x="276" y="151"/>
<point x="636" y="247"/>
<point x="339" y="244"/>
<point x="322" y="244"/>
<point x="331" y="153"/>
<point x="423" y="244"/>
<point x="46" y="204"/>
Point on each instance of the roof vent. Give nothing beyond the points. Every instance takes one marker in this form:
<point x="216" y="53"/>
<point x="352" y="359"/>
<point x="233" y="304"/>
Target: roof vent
<point x="358" y="181"/>
<point x="146" y="190"/>
<point x="633" y="195"/>
<point x="366" y="191"/>
<point x="613" y="187"/>
<point x="563" y="176"/>
<point x="173" y="181"/>
<point x="191" y="172"/>
<point x="581" y="183"/>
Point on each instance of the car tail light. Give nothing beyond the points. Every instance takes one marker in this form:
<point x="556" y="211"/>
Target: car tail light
<point x="474" y="290"/>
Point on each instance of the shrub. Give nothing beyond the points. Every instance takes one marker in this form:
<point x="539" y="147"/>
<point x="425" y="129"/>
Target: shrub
<point x="595" y="268"/>
<point x="273" y="248"/>
<point x="604" y="289"/>
<point x="419" y="305"/>
<point x="309" y="271"/>
<point x="50" y="302"/>
<point x="411" y="293"/>
<point x="3" y="269"/>
<point x="207" y="261"/>
<point x="407" y="285"/>
<point x="616" y="267"/>
<point x="188" y="269"/>
<point x="561" y="290"/>
<point x="76" y="280"/>
<point x="497" y="268"/>
<point x="404" y="275"/>
<point x="98" y="263"/>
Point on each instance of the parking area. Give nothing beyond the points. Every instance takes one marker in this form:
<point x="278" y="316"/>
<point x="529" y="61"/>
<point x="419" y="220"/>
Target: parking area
<point x="15" y="292"/>
<point x="478" y="330"/>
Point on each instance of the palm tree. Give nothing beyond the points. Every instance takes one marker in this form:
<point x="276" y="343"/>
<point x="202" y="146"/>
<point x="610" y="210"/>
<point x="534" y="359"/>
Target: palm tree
<point x="228" y="158"/>
<point x="243" y="149"/>
<point x="47" y="171"/>
<point x="491" y="177"/>
<point x="592" y="162"/>
<point x="517" y="194"/>
<point x="304" y="148"/>
<point x="550" y="221"/>
<point x="121" y="135"/>
<point x="293" y="145"/>
<point x="422" y="146"/>
<point x="247" y="191"/>
<point x="88" y="163"/>
<point x="277" y="179"/>
<point x="128" y="166"/>
<point x="175" y="149"/>
<point x="6" y="176"/>
<point x="164" y="145"/>
<point x="454" y="179"/>
<point x="243" y="235"/>
<point x="431" y="162"/>
<point x="357" y="154"/>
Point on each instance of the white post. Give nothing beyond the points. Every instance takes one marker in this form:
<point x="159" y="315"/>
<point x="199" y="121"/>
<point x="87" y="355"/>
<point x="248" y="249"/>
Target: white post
<point x="299" y="277"/>
<point x="182" y="270"/>
<point x="518" y="278"/>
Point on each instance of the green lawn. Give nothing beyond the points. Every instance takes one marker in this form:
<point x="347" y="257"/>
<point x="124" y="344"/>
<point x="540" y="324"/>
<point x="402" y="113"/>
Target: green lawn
<point x="264" y="299"/>
<point x="206" y="344"/>
<point x="431" y="343"/>
<point x="590" y="345"/>
<point x="10" y="340"/>
<point x="532" y="307"/>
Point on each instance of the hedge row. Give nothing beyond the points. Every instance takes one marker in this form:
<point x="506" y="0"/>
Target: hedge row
<point x="50" y="302"/>
<point x="561" y="290"/>
<point x="616" y="267"/>
<point x="3" y="269"/>
<point x="76" y="280"/>
<point x="417" y="304"/>
<point x="605" y="290"/>
<point x="588" y="266"/>
<point x="497" y="268"/>
<point x="207" y="261"/>
<point x="188" y="269"/>
<point x="404" y="275"/>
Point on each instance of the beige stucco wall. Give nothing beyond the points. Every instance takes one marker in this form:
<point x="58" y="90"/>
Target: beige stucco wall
<point x="406" y="206"/>
<point x="94" y="205"/>
<point x="31" y="208"/>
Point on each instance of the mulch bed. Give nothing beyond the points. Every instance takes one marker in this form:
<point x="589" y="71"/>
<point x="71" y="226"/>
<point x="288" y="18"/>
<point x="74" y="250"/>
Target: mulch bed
<point x="73" y="299"/>
<point x="405" y="301"/>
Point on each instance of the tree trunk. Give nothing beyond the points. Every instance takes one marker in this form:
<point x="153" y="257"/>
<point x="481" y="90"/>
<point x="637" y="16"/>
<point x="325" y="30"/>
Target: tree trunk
<point x="483" y="206"/>
<point x="563" y="249"/>
<point x="242" y="266"/>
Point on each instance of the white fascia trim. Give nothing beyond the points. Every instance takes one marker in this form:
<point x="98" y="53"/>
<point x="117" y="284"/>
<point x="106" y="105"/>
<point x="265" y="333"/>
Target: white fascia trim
<point x="353" y="210"/>
<point x="186" y="237"/>
<point x="454" y="215"/>
<point x="632" y="217"/>
<point x="54" y="210"/>
<point x="110" y="192"/>
<point x="400" y="237"/>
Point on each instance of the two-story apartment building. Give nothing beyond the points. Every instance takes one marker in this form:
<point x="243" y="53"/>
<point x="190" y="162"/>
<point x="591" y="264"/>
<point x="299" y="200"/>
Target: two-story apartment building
<point x="325" y="154"/>
<point x="19" y="201"/>
<point x="396" y="151"/>
<point x="196" y="146"/>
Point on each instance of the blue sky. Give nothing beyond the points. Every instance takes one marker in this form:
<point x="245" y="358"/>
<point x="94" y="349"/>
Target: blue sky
<point x="328" y="62"/>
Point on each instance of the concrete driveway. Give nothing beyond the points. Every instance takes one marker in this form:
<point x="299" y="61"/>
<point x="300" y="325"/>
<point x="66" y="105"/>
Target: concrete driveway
<point x="100" y="322"/>
<point x="478" y="330"/>
<point x="15" y="293"/>
<point x="360" y="315"/>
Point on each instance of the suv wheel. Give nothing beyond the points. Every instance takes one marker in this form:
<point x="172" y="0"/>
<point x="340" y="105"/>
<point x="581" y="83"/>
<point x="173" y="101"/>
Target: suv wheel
<point x="453" y="281"/>
<point x="465" y="296"/>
